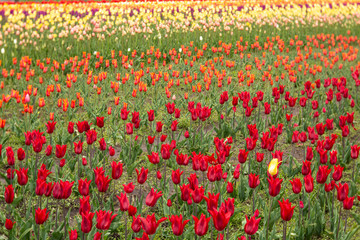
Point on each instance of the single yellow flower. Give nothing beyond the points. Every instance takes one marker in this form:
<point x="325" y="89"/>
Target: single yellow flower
<point x="273" y="166"/>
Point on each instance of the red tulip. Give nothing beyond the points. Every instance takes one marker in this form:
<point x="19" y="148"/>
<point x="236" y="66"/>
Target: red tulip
<point x="309" y="183"/>
<point x="337" y="174"/>
<point x="20" y="154"/>
<point x="142" y="175"/>
<point x="151" y="115"/>
<point x="220" y="218"/>
<point x="104" y="219"/>
<point x="201" y="225"/>
<point x="306" y="168"/>
<point x="78" y="147"/>
<point x="154" y="158"/>
<point x="150" y="224"/>
<point x="185" y="192"/>
<point x="9" y="194"/>
<point x="136" y="224"/>
<point x="166" y="151"/>
<point x="132" y="210"/>
<point x="197" y="194"/>
<point x="22" y="176"/>
<point x="102" y="144"/>
<point x="103" y="183"/>
<point x="274" y="186"/>
<point x="252" y="224"/>
<point x="10" y="156"/>
<point x="60" y="151"/>
<point x="212" y="201"/>
<point x="9" y="224"/>
<point x="342" y="191"/>
<point x="84" y="205"/>
<point x="129" y="188"/>
<point x="322" y="174"/>
<point x="111" y="151"/>
<point x="177" y="224"/>
<point x="152" y="197"/>
<point x="296" y="185"/>
<point x="242" y="156"/>
<point x="50" y="127"/>
<point x="124" y="202"/>
<point x="286" y="210"/>
<point x="176" y="176"/>
<point x="73" y="235"/>
<point x="117" y="170"/>
<point x="83" y="187"/>
<point x="41" y="215"/>
<point x="348" y="203"/>
<point x="86" y="223"/>
<point x="100" y="122"/>
<point x="254" y="180"/>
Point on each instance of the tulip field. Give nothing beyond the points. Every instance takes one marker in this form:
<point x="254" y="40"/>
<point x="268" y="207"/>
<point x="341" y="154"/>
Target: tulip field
<point x="180" y="120"/>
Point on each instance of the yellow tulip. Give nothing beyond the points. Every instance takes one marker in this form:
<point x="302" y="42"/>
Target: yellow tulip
<point x="273" y="166"/>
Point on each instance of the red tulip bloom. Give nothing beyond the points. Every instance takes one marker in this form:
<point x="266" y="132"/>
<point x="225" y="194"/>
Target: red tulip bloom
<point x="237" y="172"/>
<point x="296" y="185"/>
<point x="73" y="235"/>
<point x="124" y="114"/>
<point x="259" y="157"/>
<point x="309" y="183"/>
<point x="242" y="156"/>
<point x="152" y="197"/>
<point x="176" y="176"/>
<point x="129" y="188"/>
<point x="91" y="136"/>
<point x="136" y="224"/>
<point x="201" y="225"/>
<point x="71" y="127"/>
<point x="50" y="127"/>
<point x="274" y="186"/>
<point x="86" y="223"/>
<point x="144" y="237"/>
<point x="78" y="147"/>
<point x="150" y="224"/>
<point x="306" y="168"/>
<point x="197" y="194"/>
<point x="151" y="115"/>
<point x="22" y="176"/>
<point x="100" y="122"/>
<point x="9" y="224"/>
<point x="212" y="201"/>
<point x="166" y="151"/>
<point x="142" y="175"/>
<point x="20" y="154"/>
<point x="10" y="156"/>
<point x="9" y="194"/>
<point x="177" y="224"/>
<point x="116" y="170"/>
<point x="102" y="144"/>
<point x="159" y="126"/>
<point x="252" y="224"/>
<point x="151" y="139"/>
<point x="103" y="183"/>
<point x="337" y="174"/>
<point x="185" y="192"/>
<point x="154" y="158"/>
<point x="40" y="187"/>
<point x="220" y="218"/>
<point x="83" y="187"/>
<point x="170" y="107"/>
<point x="104" y="219"/>
<point x="355" y="151"/>
<point x="333" y="157"/>
<point x="111" y="151"/>
<point x="322" y="174"/>
<point x="84" y="205"/>
<point x="48" y="150"/>
<point x="132" y="210"/>
<point x="60" y="151"/>
<point x="254" y="180"/>
<point x="329" y="186"/>
<point x="286" y="210"/>
<point x="129" y="128"/>
<point x="342" y="191"/>
<point x="348" y="203"/>
<point x="41" y="215"/>
<point x="124" y="202"/>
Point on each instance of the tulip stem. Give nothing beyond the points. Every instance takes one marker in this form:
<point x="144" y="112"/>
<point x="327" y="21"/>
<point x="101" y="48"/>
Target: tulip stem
<point x="267" y="224"/>
<point x="64" y="220"/>
<point x="57" y="214"/>
<point x="332" y="204"/>
<point x="126" y="226"/>
<point x="284" y="231"/>
<point x="79" y="167"/>
<point x="38" y="232"/>
<point x="338" y="226"/>
<point x="253" y="201"/>
<point x="346" y="218"/>
<point x="353" y="172"/>
<point x="309" y="207"/>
